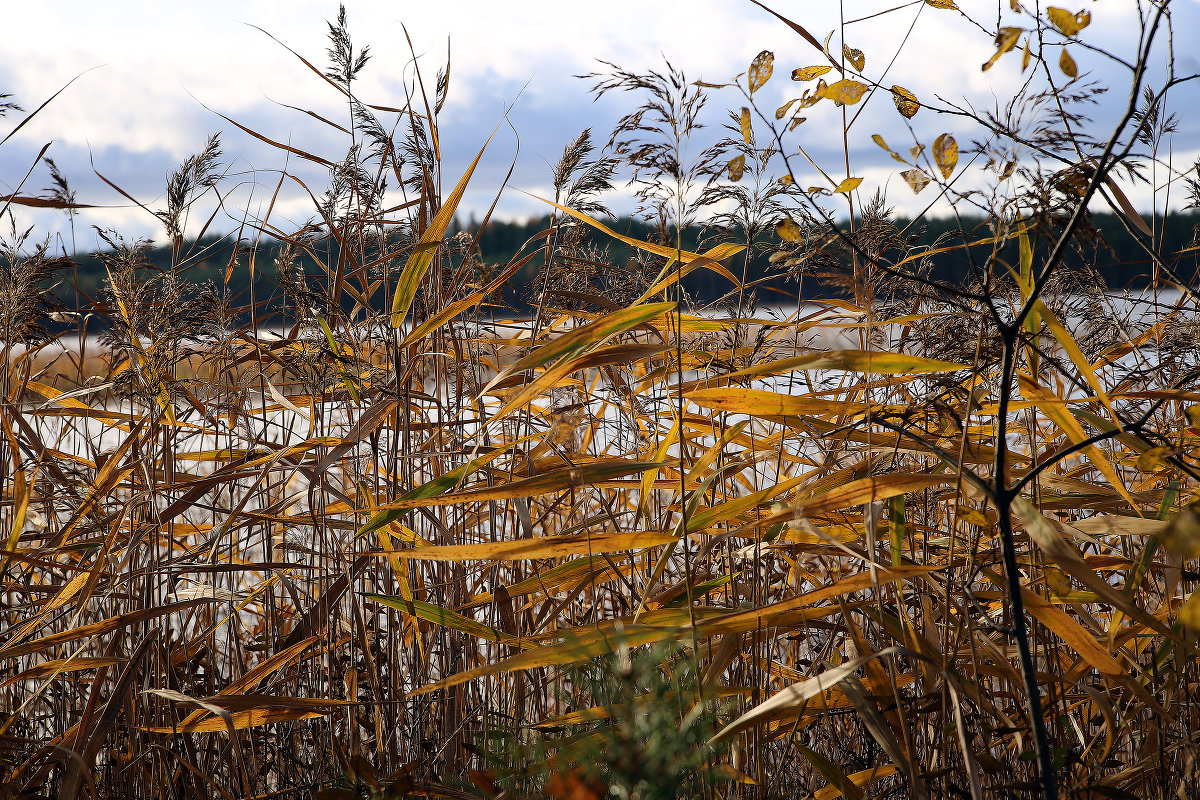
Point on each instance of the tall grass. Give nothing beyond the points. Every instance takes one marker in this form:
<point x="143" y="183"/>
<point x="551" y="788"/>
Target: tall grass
<point x="370" y="537"/>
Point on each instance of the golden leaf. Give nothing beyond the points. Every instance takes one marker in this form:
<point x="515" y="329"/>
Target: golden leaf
<point x="1015" y="6"/>
<point x="1057" y="580"/>
<point x="1182" y="534"/>
<point x="736" y="167"/>
<point x="796" y="121"/>
<point x="1025" y="55"/>
<point x="917" y="180"/>
<point x="1069" y="24"/>
<point x="783" y="109"/>
<point x="1189" y="612"/>
<point x="875" y="137"/>
<point x="744" y="122"/>
<point x="846" y="92"/>
<point x="760" y="70"/>
<point x="1193" y="416"/>
<point x="1154" y="459"/>
<point x="906" y="102"/>
<point x="789" y="231"/>
<point x="948" y="4"/>
<point x="785" y="180"/>
<point x="1067" y="65"/>
<point x="973" y="516"/>
<point x="855" y="57"/>
<point x="1006" y="40"/>
<point x="809" y="73"/>
<point x="847" y="186"/>
<point x="945" y="153"/>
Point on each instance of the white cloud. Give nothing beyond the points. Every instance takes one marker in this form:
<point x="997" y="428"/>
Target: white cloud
<point x="139" y="112"/>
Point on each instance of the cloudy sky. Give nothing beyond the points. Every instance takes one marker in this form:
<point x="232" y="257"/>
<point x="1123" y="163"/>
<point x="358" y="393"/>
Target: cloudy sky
<point x="151" y="79"/>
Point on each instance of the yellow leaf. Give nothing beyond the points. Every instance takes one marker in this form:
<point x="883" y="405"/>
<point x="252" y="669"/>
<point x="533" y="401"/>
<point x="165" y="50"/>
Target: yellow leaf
<point x="1057" y="550"/>
<point x="443" y="616"/>
<point x="758" y="402"/>
<point x="1182" y="536"/>
<point x="798" y="694"/>
<point x="544" y="483"/>
<point x="272" y="665"/>
<point x="863" y="490"/>
<point x="1026" y="55"/>
<point x="948" y="4"/>
<point x="863" y="777"/>
<point x="809" y="73"/>
<point x="1189" y="612"/>
<point x="855" y="57"/>
<point x="783" y="109"/>
<point x="847" y="186"/>
<point x="875" y="137"/>
<point x="744" y="123"/>
<point x="906" y="102"/>
<point x="796" y="610"/>
<point x="1065" y="340"/>
<point x="424" y="251"/>
<point x="1069" y="24"/>
<point x="866" y="361"/>
<point x="737" y="167"/>
<point x="845" y="92"/>
<point x="1074" y="634"/>
<point x="539" y="547"/>
<point x="789" y="231"/>
<point x="1057" y="580"/>
<point x="1058" y="412"/>
<point x="1154" y="459"/>
<point x="1006" y="40"/>
<point x="59" y="666"/>
<point x="241" y="720"/>
<point x="1067" y="64"/>
<point x="716" y="253"/>
<point x="945" y="153"/>
<point x="916" y="179"/>
<point x="761" y="69"/>
<point x="973" y="516"/>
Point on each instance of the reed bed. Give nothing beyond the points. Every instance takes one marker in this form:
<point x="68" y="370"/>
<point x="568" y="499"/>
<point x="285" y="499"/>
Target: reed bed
<point x="376" y="536"/>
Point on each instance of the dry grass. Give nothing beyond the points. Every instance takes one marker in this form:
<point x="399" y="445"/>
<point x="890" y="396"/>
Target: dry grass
<point x="627" y="549"/>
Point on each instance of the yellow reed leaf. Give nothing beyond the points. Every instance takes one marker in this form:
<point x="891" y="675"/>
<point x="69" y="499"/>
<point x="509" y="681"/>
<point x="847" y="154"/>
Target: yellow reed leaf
<point x="906" y="102"/>
<point x="809" y="73"/>
<point x="945" y="154"/>
<point x="1067" y="23"/>
<point x="760" y="70"/>
<point x="847" y="186"/>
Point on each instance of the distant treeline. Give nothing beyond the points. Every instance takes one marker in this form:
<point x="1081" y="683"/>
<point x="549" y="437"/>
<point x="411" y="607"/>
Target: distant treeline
<point x="1118" y="258"/>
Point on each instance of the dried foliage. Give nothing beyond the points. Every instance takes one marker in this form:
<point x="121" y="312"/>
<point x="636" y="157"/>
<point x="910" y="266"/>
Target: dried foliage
<point x="374" y="537"/>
